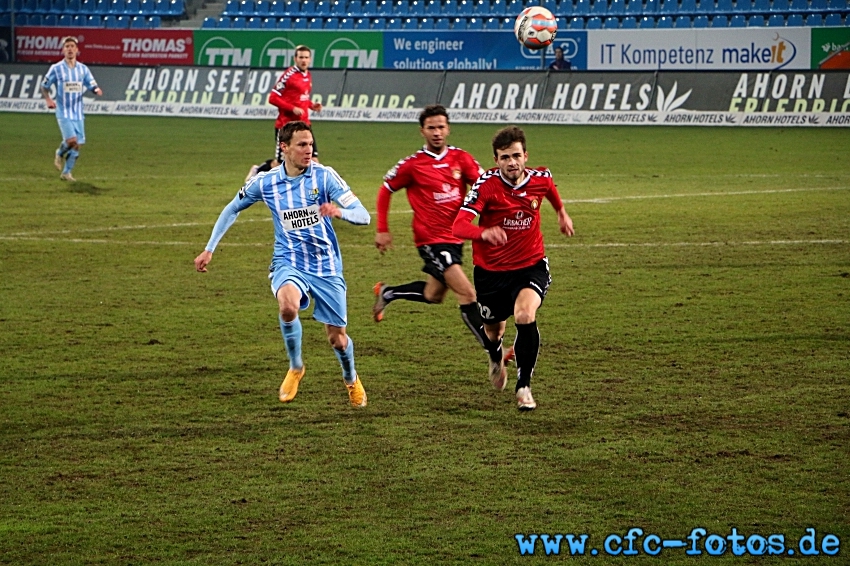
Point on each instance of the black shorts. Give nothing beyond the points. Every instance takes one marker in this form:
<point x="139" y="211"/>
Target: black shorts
<point x="278" y="153"/>
<point x="439" y="257"/>
<point x="497" y="290"/>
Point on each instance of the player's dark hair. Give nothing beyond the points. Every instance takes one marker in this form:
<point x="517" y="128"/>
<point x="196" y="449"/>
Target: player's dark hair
<point x="303" y="48"/>
<point x="506" y="137"/>
<point x="285" y="134"/>
<point x="432" y="110"/>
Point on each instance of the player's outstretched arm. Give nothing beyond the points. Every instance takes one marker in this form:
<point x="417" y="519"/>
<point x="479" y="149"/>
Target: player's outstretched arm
<point x="464" y="228"/>
<point x="354" y="213"/>
<point x="383" y="238"/>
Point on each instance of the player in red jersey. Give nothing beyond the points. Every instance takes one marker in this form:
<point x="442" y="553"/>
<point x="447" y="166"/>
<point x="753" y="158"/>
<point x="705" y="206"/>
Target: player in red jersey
<point x="291" y="96"/>
<point x="511" y="270"/>
<point x="436" y="178"/>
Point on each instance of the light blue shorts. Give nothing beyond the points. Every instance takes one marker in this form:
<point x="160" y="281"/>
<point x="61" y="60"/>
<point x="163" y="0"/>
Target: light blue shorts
<point x="328" y="292"/>
<point x="72" y="129"/>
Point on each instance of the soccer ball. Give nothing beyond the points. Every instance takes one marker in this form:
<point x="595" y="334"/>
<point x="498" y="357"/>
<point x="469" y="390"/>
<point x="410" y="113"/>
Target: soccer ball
<point x="535" y="27"/>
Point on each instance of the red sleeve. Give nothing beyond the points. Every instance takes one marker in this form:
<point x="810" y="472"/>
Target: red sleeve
<point x="553" y="197"/>
<point x="464" y="228"/>
<point x="471" y="170"/>
<point x="276" y="99"/>
<point x="384" y="195"/>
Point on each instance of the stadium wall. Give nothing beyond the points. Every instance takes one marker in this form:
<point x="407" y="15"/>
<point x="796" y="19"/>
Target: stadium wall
<point x="739" y="49"/>
<point x="781" y="98"/>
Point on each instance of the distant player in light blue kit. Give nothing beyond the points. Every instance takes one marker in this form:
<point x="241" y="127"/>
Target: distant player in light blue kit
<point x="72" y="79"/>
<point x="304" y="197"/>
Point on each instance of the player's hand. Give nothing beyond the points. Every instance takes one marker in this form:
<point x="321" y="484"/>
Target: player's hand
<point x="383" y="241"/>
<point x="298" y="111"/>
<point x="202" y="261"/>
<point x="50" y="103"/>
<point x="565" y="223"/>
<point x="330" y="209"/>
<point x="495" y="235"/>
<point x="316" y="107"/>
<point x="98" y="92"/>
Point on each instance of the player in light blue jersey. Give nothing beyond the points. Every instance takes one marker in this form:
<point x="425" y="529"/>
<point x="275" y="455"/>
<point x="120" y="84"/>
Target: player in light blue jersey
<point x="303" y="197"/>
<point x="72" y="79"/>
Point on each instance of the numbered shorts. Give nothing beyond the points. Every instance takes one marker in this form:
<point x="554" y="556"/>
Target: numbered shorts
<point x="328" y="292"/>
<point x="72" y="129"/>
<point x="439" y="257"/>
<point x="278" y="153"/>
<point x="497" y="290"/>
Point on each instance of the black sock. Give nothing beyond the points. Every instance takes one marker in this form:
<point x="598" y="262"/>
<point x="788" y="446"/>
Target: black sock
<point x="267" y="166"/>
<point x="472" y="318"/>
<point x="414" y="291"/>
<point x="526" y="348"/>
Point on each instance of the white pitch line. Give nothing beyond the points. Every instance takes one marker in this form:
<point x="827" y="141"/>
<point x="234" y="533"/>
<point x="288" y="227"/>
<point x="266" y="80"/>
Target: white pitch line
<point x="548" y="246"/>
<point x="603" y="200"/>
<point x="600" y="200"/>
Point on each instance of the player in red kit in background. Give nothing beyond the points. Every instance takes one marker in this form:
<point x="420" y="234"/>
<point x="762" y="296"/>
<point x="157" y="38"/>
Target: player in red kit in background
<point x="436" y="178"/>
<point x="511" y="270"/>
<point x="291" y="95"/>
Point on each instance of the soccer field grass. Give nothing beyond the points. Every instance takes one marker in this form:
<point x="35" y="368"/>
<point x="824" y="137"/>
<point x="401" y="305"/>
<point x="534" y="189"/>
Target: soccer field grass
<point x="694" y="369"/>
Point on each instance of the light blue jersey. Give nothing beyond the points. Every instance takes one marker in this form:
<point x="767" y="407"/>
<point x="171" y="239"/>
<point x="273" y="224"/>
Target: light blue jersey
<point x="71" y="84"/>
<point x="304" y="240"/>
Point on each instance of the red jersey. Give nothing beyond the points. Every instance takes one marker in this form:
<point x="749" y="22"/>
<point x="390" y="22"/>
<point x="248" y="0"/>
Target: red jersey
<point x="516" y="208"/>
<point x="436" y="185"/>
<point x="292" y="90"/>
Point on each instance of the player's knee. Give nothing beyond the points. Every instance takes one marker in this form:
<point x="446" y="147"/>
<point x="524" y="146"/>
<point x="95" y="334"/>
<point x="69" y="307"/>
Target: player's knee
<point x="71" y="142"/>
<point x="288" y="312"/>
<point x="524" y="316"/>
<point x="338" y="339"/>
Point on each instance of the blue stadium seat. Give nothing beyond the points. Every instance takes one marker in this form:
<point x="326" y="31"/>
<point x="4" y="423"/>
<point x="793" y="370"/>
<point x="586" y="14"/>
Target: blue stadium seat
<point x="464" y="7"/>
<point x="416" y="8"/>
<point x="481" y="7"/>
<point x="738" y="21"/>
<point x="34" y="20"/>
<point x="581" y="8"/>
<point x="146" y="7"/>
<point x="268" y="22"/>
<point x="799" y="6"/>
<point x="599" y="8"/>
<point x="441" y="23"/>
<point x="474" y="23"/>
<point x="818" y="6"/>
<point x="392" y="23"/>
<point x="688" y="7"/>
<point x="94" y="21"/>
<point x="361" y="23"/>
<point x="51" y="20"/>
<point x="610" y="23"/>
<point x="669" y="7"/>
<point x="431" y="7"/>
<point x="776" y="21"/>
<point x="628" y="23"/>
<point x="761" y="6"/>
<point x="635" y="8"/>
<point x="794" y="21"/>
<point x="383" y="7"/>
<point x="814" y="20"/>
<point x="115" y="8"/>
<point x="254" y="23"/>
<point x="743" y="6"/>
<point x="646" y="22"/>
<point x="706" y="7"/>
<point x="780" y="6"/>
<point x="262" y="8"/>
<point x="426" y="23"/>
<point x="299" y="23"/>
<point x="78" y="21"/>
<point x="838" y="6"/>
<point x="238" y="22"/>
<point x="664" y="22"/>
<point x="72" y="7"/>
<point x="701" y="21"/>
<point x="55" y="7"/>
<point x="498" y="7"/>
<point x="492" y="23"/>
<point x="231" y="8"/>
<point x="284" y="23"/>
<point x="682" y="22"/>
<point x="138" y="22"/>
<point x="832" y="20"/>
<point x="756" y="21"/>
<point x="314" y="22"/>
<point x="66" y="21"/>
<point x="724" y="7"/>
<point x="409" y="23"/>
<point x="209" y="23"/>
<point x="223" y="22"/>
<point x="617" y="8"/>
<point x="594" y="22"/>
<point x="650" y="7"/>
<point x="577" y="23"/>
<point x="346" y="22"/>
<point x="369" y="7"/>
